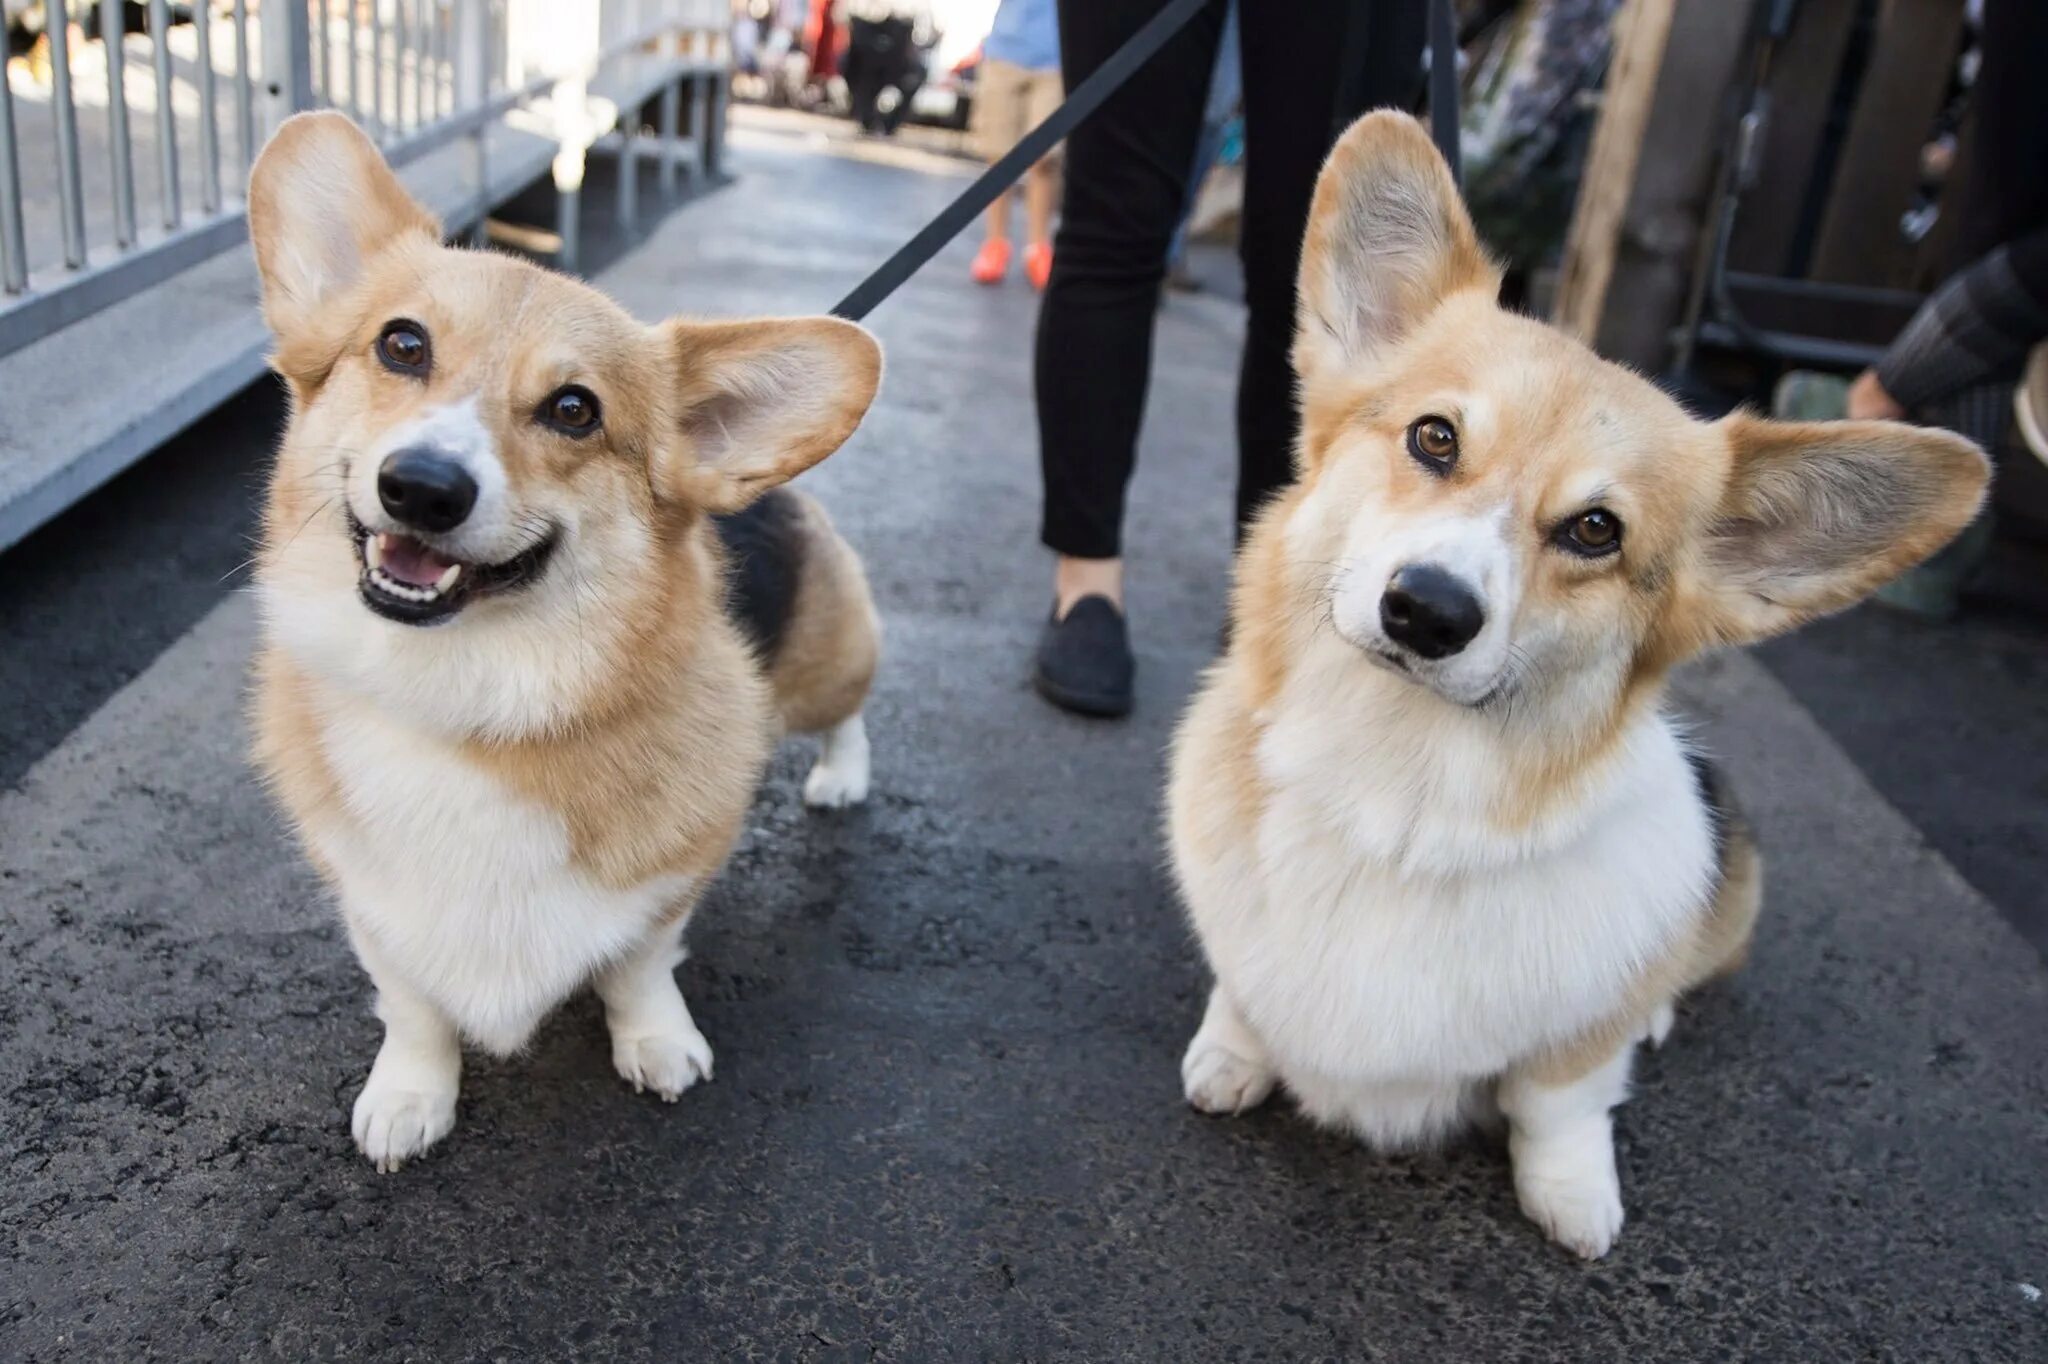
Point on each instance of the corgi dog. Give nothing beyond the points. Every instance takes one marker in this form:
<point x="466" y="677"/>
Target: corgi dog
<point x="1446" y="852"/>
<point x="534" y="610"/>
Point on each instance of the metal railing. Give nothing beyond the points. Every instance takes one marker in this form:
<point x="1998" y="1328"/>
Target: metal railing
<point x="417" y="74"/>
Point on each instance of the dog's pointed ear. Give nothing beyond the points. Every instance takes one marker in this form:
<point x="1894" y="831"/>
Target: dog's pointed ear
<point x="1388" y="239"/>
<point x="759" y="402"/>
<point x="1817" y="515"/>
<point x="321" y="204"/>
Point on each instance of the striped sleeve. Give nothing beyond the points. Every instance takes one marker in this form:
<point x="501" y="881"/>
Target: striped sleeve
<point x="1981" y="322"/>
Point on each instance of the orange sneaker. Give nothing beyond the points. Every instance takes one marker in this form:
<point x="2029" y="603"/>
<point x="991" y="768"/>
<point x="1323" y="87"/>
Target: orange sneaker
<point x="1038" y="263"/>
<point x="992" y="262"/>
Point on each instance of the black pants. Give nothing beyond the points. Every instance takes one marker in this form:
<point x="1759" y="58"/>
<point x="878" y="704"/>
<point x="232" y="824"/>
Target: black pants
<point x="1126" y="183"/>
<point x="2006" y="196"/>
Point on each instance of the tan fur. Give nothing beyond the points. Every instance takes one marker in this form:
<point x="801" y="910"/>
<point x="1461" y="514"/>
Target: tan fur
<point x="827" y="660"/>
<point x="1396" y="321"/>
<point x="590" y="734"/>
<point x="654" y="769"/>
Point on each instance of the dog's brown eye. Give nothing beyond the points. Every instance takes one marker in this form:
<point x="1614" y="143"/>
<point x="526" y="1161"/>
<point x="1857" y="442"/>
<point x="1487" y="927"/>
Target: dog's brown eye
<point x="402" y="346"/>
<point x="572" y="411"/>
<point x="1593" y="533"/>
<point x="1433" y="441"/>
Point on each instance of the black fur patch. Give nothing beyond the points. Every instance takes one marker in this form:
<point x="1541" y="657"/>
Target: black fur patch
<point x="764" y="544"/>
<point x="1720" y="803"/>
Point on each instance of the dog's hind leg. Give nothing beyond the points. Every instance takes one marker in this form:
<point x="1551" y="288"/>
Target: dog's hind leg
<point x="1226" y="1069"/>
<point x="840" y="776"/>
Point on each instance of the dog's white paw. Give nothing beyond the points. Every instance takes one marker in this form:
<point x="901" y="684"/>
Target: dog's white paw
<point x="1217" y="1080"/>
<point x="834" y="786"/>
<point x="665" y="1062"/>
<point x="841" y="777"/>
<point x="1581" y="1213"/>
<point x="1659" y="1029"/>
<point x="393" y="1121"/>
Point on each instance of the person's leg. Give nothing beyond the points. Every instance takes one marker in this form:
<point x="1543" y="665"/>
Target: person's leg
<point x="1292" y="83"/>
<point x="1126" y="174"/>
<point x="997" y="120"/>
<point x="1041" y="195"/>
<point x="998" y="218"/>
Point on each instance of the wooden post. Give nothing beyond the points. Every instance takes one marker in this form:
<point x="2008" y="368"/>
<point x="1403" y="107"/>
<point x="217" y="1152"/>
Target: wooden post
<point x="1910" y="67"/>
<point x="1635" y="232"/>
<point x="1804" y="74"/>
<point x="1642" y="32"/>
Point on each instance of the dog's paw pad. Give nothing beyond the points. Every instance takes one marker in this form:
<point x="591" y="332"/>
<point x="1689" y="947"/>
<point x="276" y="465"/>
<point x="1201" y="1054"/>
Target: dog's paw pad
<point x="1582" y="1215"/>
<point x="393" y="1124"/>
<point x="665" y="1063"/>
<point x="1220" y="1081"/>
<point x="834" y="788"/>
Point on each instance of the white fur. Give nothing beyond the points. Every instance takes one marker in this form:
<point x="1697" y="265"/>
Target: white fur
<point x="840" y="777"/>
<point x="1473" y="547"/>
<point x="454" y="431"/>
<point x="1389" y="952"/>
<point x="1561" y="1140"/>
<point x="468" y="891"/>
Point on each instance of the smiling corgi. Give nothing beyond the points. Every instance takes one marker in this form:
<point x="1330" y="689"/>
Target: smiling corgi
<point x="1447" y="854"/>
<point x="534" y="611"/>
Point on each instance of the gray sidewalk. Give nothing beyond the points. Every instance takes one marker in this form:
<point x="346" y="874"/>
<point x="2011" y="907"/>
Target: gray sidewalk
<point x="947" y="1121"/>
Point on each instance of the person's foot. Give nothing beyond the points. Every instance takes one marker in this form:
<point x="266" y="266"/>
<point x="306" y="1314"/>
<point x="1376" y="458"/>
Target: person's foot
<point x="1038" y="263"/>
<point x="1084" y="660"/>
<point x="992" y="262"/>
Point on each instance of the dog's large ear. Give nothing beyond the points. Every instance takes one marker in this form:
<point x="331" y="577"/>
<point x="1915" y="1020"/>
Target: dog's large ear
<point x="1817" y="515"/>
<point x="1388" y="239"/>
<point x="760" y="402"/>
<point x="321" y="204"/>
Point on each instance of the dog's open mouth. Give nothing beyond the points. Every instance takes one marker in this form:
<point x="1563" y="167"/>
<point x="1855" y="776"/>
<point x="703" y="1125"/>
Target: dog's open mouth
<point x="407" y="580"/>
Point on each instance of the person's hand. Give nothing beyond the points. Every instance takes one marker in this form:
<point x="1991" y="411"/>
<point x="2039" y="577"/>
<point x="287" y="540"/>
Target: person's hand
<point x="1869" y="402"/>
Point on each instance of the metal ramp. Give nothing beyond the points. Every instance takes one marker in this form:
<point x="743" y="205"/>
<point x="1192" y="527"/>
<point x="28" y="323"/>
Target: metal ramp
<point x="102" y="362"/>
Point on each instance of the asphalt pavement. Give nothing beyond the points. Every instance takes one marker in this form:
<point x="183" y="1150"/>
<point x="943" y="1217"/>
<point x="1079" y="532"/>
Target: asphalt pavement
<point x="946" y="1123"/>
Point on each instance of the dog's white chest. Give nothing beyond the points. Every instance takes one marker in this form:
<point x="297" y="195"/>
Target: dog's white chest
<point x="1353" y="964"/>
<point x="466" y="888"/>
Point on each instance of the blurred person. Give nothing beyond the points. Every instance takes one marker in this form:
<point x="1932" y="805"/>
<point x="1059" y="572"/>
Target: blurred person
<point x="883" y="53"/>
<point x="1127" y="172"/>
<point x="1018" y="88"/>
<point x="1957" y="362"/>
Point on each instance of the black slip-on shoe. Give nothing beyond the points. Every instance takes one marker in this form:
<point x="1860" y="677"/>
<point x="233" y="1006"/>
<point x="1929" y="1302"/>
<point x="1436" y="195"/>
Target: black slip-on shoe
<point x="1084" y="660"/>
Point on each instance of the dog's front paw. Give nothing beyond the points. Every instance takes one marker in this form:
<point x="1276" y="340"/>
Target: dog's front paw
<point x="1217" y="1080"/>
<point x="666" y="1062"/>
<point x="394" y="1122"/>
<point x="1582" y="1213"/>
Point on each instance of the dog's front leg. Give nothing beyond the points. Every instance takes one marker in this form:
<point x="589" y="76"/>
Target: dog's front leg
<point x="655" y="1043"/>
<point x="408" y="1103"/>
<point x="1226" y="1069"/>
<point x="1561" y="1142"/>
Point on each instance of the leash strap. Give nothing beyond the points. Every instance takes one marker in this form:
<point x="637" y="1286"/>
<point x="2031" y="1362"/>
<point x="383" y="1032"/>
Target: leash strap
<point x="1088" y="96"/>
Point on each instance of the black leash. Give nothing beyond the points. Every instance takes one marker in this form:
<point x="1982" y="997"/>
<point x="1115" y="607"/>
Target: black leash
<point x="1085" y="98"/>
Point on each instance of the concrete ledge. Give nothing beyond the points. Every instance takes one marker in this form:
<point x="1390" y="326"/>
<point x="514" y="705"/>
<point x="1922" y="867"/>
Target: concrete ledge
<point x="82" y="404"/>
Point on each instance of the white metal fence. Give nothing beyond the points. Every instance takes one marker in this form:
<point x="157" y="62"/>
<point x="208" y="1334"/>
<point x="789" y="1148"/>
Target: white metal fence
<point x="190" y="99"/>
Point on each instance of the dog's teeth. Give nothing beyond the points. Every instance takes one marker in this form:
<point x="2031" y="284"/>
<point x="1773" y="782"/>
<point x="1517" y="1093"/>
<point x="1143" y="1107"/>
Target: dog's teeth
<point x="373" y="551"/>
<point x="448" y="577"/>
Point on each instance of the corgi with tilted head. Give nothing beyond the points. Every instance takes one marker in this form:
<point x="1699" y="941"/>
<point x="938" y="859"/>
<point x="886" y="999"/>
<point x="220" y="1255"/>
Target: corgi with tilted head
<point x="535" y="608"/>
<point x="1446" y="852"/>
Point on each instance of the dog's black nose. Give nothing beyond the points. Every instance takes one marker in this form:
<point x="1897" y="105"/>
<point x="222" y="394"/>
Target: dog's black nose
<point x="425" y="490"/>
<point x="1430" y="612"/>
